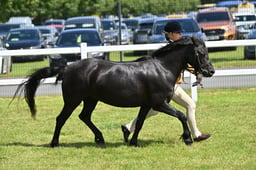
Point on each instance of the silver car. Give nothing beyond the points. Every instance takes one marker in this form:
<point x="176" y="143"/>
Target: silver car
<point x="49" y="33"/>
<point x="125" y="35"/>
<point x="244" y="23"/>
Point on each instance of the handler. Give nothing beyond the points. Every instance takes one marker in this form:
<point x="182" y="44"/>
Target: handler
<point x="173" y="32"/>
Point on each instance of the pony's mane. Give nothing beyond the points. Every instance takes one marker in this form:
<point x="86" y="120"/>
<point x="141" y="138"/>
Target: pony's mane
<point x="171" y="46"/>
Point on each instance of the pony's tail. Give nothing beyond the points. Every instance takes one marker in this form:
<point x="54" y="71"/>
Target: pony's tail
<point x="31" y="85"/>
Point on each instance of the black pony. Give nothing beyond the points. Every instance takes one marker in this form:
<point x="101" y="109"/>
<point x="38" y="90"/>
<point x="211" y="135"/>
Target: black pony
<point x="146" y="84"/>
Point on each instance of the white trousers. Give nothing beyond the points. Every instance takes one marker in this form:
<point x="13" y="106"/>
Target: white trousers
<point x="182" y="98"/>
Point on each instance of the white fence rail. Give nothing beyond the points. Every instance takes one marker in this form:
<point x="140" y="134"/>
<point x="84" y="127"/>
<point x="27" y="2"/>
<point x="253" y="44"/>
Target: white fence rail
<point x="84" y="50"/>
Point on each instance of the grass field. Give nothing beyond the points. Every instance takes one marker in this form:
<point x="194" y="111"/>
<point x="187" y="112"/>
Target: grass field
<point x="229" y="114"/>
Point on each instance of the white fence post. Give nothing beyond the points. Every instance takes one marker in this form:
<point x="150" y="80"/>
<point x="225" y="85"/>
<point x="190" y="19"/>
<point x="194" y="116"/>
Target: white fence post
<point x="193" y="89"/>
<point x="83" y="51"/>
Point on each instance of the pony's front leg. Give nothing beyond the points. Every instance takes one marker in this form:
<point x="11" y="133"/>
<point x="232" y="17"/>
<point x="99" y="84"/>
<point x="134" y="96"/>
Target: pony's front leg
<point x="140" y="120"/>
<point x="166" y="108"/>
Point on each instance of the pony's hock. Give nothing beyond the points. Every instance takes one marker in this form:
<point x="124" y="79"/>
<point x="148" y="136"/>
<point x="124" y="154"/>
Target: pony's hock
<point x="146" y="83"/>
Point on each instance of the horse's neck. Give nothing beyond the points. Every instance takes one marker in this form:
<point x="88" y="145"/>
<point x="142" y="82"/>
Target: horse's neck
<point x="175" y="61"/>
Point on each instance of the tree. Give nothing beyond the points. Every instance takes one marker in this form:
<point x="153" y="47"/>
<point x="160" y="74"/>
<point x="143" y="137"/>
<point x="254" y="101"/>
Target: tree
<point x="41" y="10"/>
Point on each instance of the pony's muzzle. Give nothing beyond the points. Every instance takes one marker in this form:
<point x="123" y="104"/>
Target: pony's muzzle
<point x="208" y="72"/>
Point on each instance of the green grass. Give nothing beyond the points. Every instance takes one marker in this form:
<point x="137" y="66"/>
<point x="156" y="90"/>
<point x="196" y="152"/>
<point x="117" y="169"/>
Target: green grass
<point x="232" y="58"/>
<point x="229" y="114"/>
<point x="23" y="69"/>
<point x="220" y="59"/>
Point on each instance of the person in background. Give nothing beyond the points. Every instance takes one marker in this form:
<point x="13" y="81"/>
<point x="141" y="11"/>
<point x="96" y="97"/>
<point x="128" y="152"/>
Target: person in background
<point x="173" y="32"/>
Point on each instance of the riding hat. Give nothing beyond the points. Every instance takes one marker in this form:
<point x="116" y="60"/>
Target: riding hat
<point x="173" y="26"/>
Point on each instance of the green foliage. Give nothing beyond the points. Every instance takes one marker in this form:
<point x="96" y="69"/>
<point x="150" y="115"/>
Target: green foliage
<point x="24" y="142"/>
<point x="42" y="10"/>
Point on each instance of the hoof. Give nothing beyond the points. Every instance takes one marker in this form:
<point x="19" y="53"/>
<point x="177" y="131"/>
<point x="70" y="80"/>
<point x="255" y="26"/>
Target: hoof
<point x="99" y="142"/>
<point x="54" y="145"/>
<point x="126" y="133"/>
<point x="134" y="144"/>
<point x="188" y="141"/>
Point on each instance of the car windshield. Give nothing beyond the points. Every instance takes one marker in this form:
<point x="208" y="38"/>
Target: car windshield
<point x="123" y="27"/>
<point x="187" y="25"/>
<point x="108" y="25"/>
<point x="246" y="18"/>
<point x="131" y="24"/>
<point x="6" y="28"/>
<point x="45" y="31"/>
<point x="23" y="35"/>
<point x="74" y="39"/>
<point x="212" y="16"/>
<point x="145" y="26"/>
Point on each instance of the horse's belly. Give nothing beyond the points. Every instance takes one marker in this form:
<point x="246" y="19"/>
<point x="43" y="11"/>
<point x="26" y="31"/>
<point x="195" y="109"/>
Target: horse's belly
<point x="119" y="98"/>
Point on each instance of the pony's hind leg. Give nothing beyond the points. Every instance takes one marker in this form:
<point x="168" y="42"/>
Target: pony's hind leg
<point x="166" y="108"/>
<point x="85" y="116"/>
<point x="60" y="121"/>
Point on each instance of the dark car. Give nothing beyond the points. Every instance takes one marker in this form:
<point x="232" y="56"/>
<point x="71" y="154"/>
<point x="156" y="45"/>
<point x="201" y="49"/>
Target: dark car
<point x="110" y="31"/>
<point x="57" y="23"/>
<point x="141" y="35"/>
<point x="5" y="28"/>
<point x="73" y="38"/>
<point x="249" y="51"/>
<point x="24" y="38"/>
<point x="189" y="26"/>
<point x="84" y="22"/>
<point x="49" y="33"/>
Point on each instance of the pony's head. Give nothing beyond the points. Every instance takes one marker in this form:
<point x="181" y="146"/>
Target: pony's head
<point x="197" y="56"/>
<point x="200" y="60"/>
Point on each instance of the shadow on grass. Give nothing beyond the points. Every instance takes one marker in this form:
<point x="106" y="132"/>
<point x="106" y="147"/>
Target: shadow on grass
<point x="141" y="143"/>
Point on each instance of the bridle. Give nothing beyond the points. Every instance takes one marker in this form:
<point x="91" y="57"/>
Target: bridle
<point x="198" y="62"/>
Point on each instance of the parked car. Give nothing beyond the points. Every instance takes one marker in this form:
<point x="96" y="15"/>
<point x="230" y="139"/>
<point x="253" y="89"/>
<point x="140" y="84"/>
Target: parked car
<point x="125" y="36"/>
<point x="84" y="22"/>
<point x="57" y="23"/>
<point x="217" y="23"/>
<point x="249" y="51"/>
<point x="110" y="31"/>
<point x="50" y="34"/>
<point x="5" y="28"/>
<point x="24" y="38"/>
<point x="27" y="21"/>
<point x="244" y="23"/>
<point x="189" y="26"/>
<point x="141" y="35"/>
<point x="132" y="24"/>
<point x="73" y="38"/>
